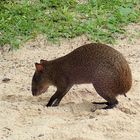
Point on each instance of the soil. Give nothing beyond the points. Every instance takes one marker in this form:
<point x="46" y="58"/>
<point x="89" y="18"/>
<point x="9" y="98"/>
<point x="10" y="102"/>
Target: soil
<point x="24" y="117"/>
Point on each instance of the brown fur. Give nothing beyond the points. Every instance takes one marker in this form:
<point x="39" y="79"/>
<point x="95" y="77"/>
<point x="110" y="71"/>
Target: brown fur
<point x="94" y="63"/>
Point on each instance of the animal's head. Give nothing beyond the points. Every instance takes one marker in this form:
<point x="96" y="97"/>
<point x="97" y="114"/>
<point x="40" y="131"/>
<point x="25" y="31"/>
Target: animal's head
<point x="40" y="81"/>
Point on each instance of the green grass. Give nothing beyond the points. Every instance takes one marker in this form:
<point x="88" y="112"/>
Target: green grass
<point x="100" y="20"/>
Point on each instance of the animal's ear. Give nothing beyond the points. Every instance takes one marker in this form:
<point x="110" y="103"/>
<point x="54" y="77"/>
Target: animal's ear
<point x="39" y="67"/>
<point x="42" y="61"/>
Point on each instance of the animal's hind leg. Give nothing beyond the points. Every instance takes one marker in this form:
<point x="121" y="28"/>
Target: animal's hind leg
<point x="105" y="82"/>
<point x="107" y="95"/>
<point x="112" y="103"/>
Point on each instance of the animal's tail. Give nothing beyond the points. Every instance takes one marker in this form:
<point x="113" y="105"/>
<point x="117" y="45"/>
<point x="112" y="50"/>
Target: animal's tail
<point x="126" y="96"/>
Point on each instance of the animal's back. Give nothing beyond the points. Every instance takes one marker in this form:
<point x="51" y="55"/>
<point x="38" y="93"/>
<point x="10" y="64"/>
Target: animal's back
<point x="93" y="61"/>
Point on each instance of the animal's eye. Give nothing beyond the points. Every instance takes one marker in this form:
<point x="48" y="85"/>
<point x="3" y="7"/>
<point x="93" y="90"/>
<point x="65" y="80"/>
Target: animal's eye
<point x="36" y="78"/>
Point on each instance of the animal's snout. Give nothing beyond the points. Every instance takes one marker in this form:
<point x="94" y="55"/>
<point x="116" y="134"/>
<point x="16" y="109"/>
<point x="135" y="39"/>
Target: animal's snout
<point x="34" y="91"/>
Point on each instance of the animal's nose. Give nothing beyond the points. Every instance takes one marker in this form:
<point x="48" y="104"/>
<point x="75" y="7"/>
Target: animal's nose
<point x="34" y="91"/>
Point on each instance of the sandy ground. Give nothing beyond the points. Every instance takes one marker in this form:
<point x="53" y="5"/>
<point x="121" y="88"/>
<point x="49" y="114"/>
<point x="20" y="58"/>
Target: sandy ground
<point x="24" y="117"/>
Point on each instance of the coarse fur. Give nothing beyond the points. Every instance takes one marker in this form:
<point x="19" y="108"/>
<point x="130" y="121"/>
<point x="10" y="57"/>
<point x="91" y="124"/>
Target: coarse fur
<point x="95" y="63"/>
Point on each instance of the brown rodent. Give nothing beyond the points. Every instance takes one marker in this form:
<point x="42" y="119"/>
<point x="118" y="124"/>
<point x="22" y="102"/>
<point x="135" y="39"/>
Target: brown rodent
<point x="95" y="63"/>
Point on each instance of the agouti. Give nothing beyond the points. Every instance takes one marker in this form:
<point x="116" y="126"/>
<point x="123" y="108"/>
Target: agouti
<point x="95" y="63"/>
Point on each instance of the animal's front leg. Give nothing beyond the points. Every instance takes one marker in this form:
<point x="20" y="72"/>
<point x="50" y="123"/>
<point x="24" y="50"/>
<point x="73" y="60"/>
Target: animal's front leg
<point x="57" y="97"/>
<point x="54" y="101"/>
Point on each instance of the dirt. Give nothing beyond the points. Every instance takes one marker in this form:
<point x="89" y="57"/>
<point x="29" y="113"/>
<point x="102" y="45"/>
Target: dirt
<point x="24" y="117"/>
